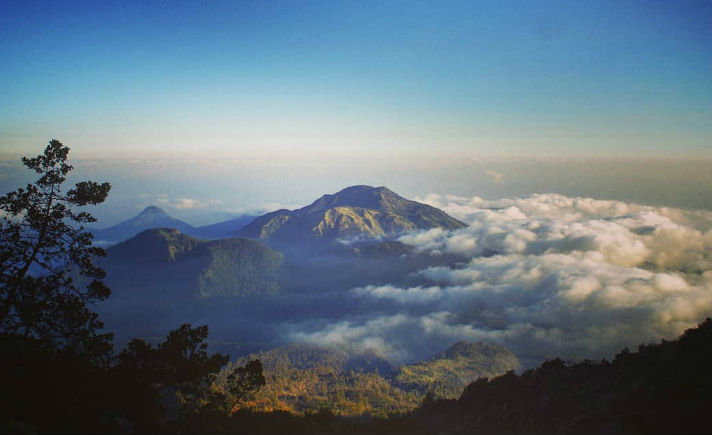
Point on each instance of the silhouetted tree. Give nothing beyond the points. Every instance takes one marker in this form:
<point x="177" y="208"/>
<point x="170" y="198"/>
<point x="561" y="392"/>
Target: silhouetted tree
<point x="58" y="374"/>
<point x="244" y="380"/>
<point x="52" y="360"/>
<point x="43" y="245"/>
<point x="175" y="375"/>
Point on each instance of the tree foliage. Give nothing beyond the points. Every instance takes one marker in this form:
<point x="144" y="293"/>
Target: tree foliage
<point x="43" y="244"/>
<point x="661" y="388"/>
<point x="58" y="374"/>
<point x="174" y="378"/>
<point x="244" y="380"/>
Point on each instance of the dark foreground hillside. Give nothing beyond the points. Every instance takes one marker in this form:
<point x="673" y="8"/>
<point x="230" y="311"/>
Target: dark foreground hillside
<point x="302" y="378"/>
<point x="661" y="388"/>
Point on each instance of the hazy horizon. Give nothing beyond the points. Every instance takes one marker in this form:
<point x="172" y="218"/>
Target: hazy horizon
<point x="207" y="191"/>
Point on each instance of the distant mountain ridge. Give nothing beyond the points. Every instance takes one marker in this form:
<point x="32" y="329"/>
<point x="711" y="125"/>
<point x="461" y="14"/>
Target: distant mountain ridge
<point x="150" y="217"/>
<point x="224" y="229"/>
<point x="167" y="259"/>
<point x="660" y="388"/>
<point x="307" y="377"/>
<point x="162" y="275"/>
<point x="449" y="372"/>
<point x="155" y="217"/>
<point x="352" y="213"/>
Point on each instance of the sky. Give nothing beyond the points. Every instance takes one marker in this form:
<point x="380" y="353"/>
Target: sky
<point x="280" y="102"/>
<point x="127" y="78"/>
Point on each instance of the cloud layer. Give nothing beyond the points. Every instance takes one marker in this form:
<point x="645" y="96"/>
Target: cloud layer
<point x="545" y="275"/>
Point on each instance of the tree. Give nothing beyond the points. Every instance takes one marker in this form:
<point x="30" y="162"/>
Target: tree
<point x="181" y="362"/>
<point x="56" y="370"/>
<point x="43" y="248"/>
<point x="244" y="380"/>
<point x="177" y="378"/>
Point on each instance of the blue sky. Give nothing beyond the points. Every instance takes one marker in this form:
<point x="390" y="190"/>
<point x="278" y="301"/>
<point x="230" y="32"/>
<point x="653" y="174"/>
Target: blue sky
<point x="260" y="78"/>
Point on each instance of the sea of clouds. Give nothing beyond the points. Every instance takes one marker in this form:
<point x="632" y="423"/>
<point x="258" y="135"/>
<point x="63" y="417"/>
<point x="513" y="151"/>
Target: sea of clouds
<point x="545" y="275"/>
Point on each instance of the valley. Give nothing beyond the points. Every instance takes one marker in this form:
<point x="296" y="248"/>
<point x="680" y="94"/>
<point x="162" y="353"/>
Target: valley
<point x="293" y="268"/>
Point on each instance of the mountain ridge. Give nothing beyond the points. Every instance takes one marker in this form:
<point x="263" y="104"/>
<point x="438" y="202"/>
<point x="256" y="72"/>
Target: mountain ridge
<point x="153" y="217"/>
<point x="447" y="373"/>
<point x="150" y="217"/>
<point x="162" y="275"/>
<point x="353" y="213"/>
<point x="304" y="377"/>
<point x="215" y="260"/>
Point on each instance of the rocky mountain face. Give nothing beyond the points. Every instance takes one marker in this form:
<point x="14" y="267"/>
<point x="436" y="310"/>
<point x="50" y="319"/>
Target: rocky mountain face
<point x="355" y="213"/>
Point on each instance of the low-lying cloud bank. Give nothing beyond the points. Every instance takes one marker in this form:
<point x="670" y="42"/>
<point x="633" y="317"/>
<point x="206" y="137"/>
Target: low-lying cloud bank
<point x="545" y="275"/>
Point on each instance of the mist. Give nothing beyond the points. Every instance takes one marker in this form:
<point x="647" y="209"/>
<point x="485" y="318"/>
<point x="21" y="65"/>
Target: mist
<point x="545" y="275"/>
<point x="209" y="190"/>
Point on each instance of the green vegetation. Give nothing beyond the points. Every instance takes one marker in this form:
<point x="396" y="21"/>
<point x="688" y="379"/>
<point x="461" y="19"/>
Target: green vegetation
<point x="305" y="378"/>
<point x="176" y="265"/>
<point x="58" y="373"/>
<point x="41" y="233"/>
<point x="445" y="375"/>
<point x="239" y="267"/>
<point x="661" y="388"/>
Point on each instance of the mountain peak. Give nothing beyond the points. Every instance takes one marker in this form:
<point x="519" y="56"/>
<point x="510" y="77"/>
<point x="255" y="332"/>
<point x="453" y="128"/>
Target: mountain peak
<point x="470" y="350"/>
<point x="357" y="196"/>
<point x="158" y="244"/>
<point x="153" y="211"/>
<point x="151" y="217"/>
<point x="354" y="212"/>
<point x="362" y="188"/>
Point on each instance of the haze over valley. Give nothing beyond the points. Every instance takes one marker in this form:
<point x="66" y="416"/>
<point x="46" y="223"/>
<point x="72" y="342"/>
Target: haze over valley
<point x="365" y="270"/>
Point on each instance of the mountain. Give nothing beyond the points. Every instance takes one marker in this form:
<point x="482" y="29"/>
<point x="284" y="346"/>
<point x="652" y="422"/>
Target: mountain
<point x="448" y="373"/>
<point x="162" y="276"/>
<point x="150" y="217"/>
<point x="303" y="378"/>
<point x="357" y="212"/>
<point x="167" y="258"/>
<point x="223" y="230"/>
<point x="661" y="388"/>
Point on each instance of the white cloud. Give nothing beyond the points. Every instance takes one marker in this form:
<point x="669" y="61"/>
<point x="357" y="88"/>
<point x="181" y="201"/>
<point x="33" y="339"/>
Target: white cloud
<point x="370" y="336"/>
<point x="188" y="203"/>
<point x="496" y="176"/>
<point x="549" y="275"/>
